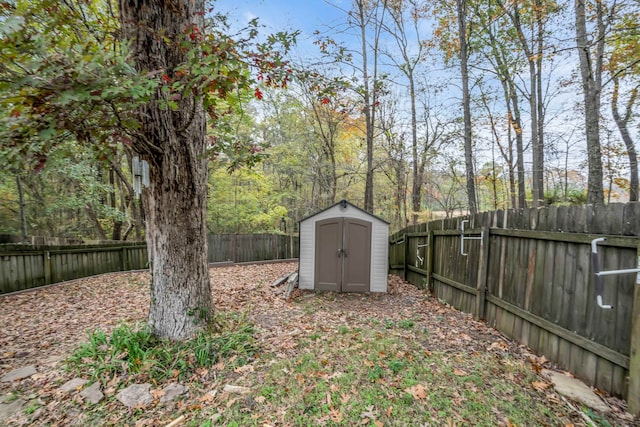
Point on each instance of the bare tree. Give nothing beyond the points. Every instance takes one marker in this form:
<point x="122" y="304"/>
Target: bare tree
<point x="406" y="17"/>
<point x="622" y="122"/>
<point x="461" y="8"/>
<point x="591" y="77"/>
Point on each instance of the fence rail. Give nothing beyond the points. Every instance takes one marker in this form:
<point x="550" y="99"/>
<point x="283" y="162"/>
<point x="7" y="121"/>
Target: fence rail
<point x="25" y="266"/>
<point x="251" y="247"/>
<point x="528" y="273"/>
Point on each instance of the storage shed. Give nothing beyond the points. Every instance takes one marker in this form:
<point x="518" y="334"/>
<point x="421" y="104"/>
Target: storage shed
<point x="344" y="249"/>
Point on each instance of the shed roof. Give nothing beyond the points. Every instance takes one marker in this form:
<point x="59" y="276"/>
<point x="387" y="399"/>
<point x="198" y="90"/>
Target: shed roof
<point x="343" y="201"/>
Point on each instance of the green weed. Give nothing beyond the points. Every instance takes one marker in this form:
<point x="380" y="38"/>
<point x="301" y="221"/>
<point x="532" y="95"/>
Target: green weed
<point x="405" y="324"/>
<point x="397" y="365"/>
<point x="375" y="373"/>
<point x="31" y="408"/>
<point x="134" y="350"/>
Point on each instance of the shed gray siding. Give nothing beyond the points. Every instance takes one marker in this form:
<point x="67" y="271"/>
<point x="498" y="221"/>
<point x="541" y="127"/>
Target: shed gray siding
<point x="379" y="245"/>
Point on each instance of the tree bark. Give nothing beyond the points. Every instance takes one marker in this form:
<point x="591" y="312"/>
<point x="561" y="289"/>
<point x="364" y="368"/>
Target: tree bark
<point x="510" y="94"/>
<point x="116" y="233"/>
<point x="22" y="206"/>
<point x="173" y="142"/>
<point x="591" y="74"/>
<point x="622" y="123"/>
<point x="418" y="178"/>
<point x="370" y="90"/>
<point x="539" y="151"/>
<point x="407" y="67"/>
<point x="534" y="60"/>
<point x="466" y="106"/>
<point x="93" y="217"/>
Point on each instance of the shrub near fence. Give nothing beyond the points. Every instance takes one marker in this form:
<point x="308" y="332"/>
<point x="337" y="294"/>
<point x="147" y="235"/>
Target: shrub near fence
<point x="528" y="274"/>
<point x="24" y="266"/>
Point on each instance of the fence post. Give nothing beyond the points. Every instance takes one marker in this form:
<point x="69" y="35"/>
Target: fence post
<point x="291" y="246"/>
<point x="633" y="397"/>
<point x="125" y="262"/>
<point x="429" y="261"/>
<point x="482" y="274"/>
<point x="46" y="258"/>
<point x="405" y="263"/>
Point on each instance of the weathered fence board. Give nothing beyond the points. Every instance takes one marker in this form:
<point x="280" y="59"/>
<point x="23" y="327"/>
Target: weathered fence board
<point x="24" y="267"/>
<point x="537" y="285"/>
<point x="251" y="247"/>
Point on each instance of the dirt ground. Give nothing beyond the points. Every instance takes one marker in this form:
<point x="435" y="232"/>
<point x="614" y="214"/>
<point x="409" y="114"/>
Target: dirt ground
<point x="41" y="327"/>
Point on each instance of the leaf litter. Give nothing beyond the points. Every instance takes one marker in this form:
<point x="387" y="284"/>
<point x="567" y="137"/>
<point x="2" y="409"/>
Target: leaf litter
<point x="43" y="326"/>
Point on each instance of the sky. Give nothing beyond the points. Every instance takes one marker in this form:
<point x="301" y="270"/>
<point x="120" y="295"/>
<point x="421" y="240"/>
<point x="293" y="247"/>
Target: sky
<point x="283" y="15"/>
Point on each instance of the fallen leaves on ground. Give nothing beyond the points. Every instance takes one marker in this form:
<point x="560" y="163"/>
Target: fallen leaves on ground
<point x="42" y="326"/>
<point x="417" y="391"/>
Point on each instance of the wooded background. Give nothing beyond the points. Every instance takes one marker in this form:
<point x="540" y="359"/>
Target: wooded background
<point x="394" y="135"/>
<point x="529" y="275"/>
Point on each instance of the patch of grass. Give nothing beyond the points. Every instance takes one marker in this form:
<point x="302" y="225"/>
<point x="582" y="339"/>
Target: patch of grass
<point x="405" y="324"/>
<point x="31" y="408"/>
<point x="353" y="376"/>
<point x="379" y="379"/>
<point x="309" y="309"/>
<point x="397" y="365"/>
<point x="315" y="336"/>
<point x="375" y="373"/>
<point x="134" y="350"/>
<point x="11" y="397"/>
<point x="599" y="419"/>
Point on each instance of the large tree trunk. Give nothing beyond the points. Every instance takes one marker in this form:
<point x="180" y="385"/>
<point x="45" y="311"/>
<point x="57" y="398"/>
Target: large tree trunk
<point x="173" y="142"/>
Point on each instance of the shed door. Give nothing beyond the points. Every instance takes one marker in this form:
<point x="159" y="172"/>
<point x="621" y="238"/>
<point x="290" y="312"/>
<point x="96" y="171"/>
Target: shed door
<point x="343" y="255"/>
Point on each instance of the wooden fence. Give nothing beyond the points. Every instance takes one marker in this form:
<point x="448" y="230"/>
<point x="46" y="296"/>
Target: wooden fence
<point x="24" y="266"/>
<point x="528" y="273"/>
<point x="251" y="247"/>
